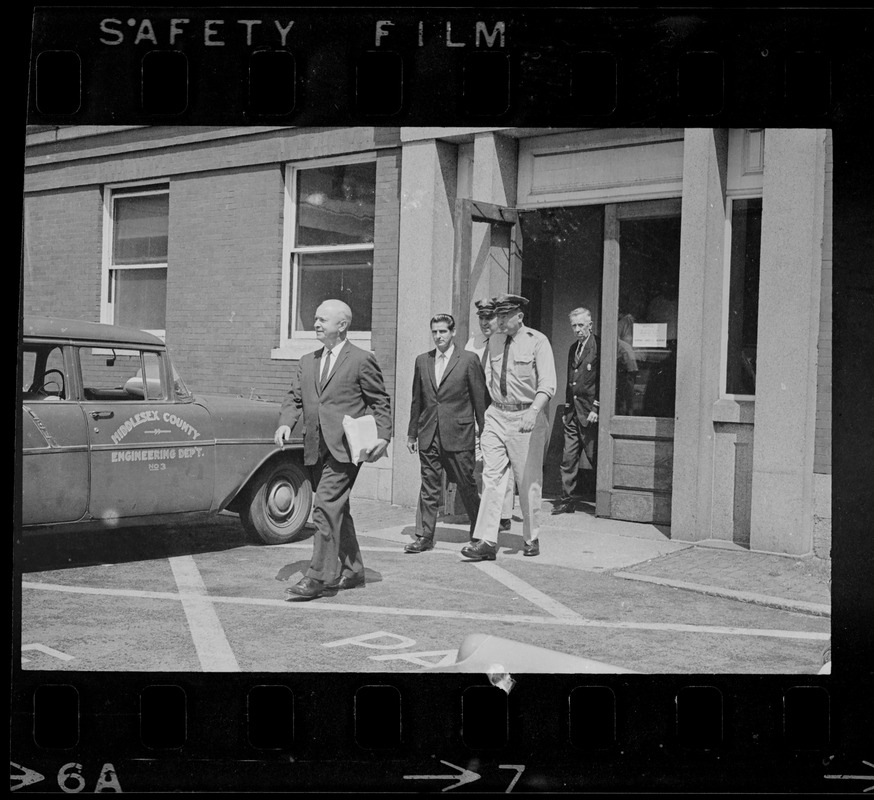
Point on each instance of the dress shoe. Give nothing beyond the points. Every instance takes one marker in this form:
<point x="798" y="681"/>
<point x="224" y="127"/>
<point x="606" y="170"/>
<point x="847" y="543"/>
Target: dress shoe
<point x="531" y="548"/>
<point x="506" y="524"/>
<point x="563" y="507"/>
<point x="481" y="551"/>
<point x="420" y="545"/>
<point x="354" y="581"/>
<point x="309" y="589"/>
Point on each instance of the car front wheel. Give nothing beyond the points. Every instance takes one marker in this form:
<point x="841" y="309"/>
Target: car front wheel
<point x="279" y="503"/>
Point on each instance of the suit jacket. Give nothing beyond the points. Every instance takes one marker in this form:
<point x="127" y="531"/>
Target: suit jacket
<point x="458" y="403"/>
<point x="583" y="380"/>
<point x="354" y="387"/>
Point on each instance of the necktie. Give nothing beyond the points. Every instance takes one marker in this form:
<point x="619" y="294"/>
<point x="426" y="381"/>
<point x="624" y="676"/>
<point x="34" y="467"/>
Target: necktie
<point x="325" y="367"/>
<point x="578" y="357"/>
<point x="441" y="365"/>
<point x="504" y="367"/>
<point x="485" y="358"/>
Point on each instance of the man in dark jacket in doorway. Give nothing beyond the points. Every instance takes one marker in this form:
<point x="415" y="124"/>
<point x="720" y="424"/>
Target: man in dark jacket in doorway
<point x="581" y="408"/>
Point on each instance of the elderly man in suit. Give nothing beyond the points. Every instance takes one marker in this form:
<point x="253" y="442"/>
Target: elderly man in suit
<point x="335" y="380"/>
<point x="581" y="408"/>
<point x="447" y="408"/>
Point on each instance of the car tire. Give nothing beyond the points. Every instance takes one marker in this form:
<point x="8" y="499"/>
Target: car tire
<point x="278" y="504"/>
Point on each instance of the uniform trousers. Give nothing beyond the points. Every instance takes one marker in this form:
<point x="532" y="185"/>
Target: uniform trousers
<point x="335" y="546"/>
<point x="459" y="465"/>
<point x="577" y="439"/>
<point x="510" y="454"/>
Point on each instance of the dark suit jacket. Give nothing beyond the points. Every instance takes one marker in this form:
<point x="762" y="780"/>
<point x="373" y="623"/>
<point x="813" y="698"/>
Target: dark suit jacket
<point x="583" y="381"/>
<point x="458" y="403"/>
<point x="354" y="387"/>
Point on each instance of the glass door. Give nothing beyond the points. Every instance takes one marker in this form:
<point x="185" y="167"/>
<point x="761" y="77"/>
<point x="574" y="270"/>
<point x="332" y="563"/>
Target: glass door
<point x="639" y="336"/>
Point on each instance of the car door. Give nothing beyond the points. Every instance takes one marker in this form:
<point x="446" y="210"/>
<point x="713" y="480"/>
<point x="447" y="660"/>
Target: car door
<point x="151" y="453"/>
<point x="54" y="438"/>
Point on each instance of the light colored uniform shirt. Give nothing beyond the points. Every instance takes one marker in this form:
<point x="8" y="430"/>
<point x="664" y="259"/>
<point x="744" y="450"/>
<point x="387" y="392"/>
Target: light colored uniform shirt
<point x="530" y="368"/>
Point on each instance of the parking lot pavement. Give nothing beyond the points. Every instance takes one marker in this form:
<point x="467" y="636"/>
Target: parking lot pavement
<point x="204" y="598"/>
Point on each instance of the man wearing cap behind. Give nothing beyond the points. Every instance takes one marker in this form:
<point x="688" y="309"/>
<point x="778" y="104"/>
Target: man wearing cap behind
<point x="521" y="380"/>
<point x="449" y="401"/>
<point x="477" y="344"/>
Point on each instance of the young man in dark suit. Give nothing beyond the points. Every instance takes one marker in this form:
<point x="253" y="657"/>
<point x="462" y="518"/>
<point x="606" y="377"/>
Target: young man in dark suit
<point x="581" y="408"/>
<point x="336" y="380"/>
<point x="449" y="401"/>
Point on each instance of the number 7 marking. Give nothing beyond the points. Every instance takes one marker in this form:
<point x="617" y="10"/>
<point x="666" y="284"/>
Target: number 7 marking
<point x="520" y="768"/>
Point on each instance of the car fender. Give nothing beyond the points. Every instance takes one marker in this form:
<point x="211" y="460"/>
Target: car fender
<point x="253" y="465"/>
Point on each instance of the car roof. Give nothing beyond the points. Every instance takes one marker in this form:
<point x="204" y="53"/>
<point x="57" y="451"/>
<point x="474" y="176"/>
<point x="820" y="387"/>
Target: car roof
<point x="56" y="328"/>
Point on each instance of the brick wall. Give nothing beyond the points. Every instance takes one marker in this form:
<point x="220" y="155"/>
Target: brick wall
<point x="224" y="255"/>
<point x="62" y="253"/>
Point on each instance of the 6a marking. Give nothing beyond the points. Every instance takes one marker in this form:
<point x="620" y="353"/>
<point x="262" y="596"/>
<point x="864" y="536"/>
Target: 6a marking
<point x="71" y="781"/>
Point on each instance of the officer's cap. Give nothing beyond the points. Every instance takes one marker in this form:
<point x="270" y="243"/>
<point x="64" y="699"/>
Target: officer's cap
<point x="507" y="303"/>
<point x="485" y="307"/>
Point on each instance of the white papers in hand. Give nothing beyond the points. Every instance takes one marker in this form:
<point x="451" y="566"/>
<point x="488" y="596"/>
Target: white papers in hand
<point x="361" y="436"/>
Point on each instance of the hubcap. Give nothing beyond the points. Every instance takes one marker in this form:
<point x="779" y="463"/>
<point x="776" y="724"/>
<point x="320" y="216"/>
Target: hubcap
<point x="280" y="500"/>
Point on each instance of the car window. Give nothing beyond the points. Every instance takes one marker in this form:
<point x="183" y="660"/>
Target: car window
<point x="118" y="376"/>
<point x="44" y="376"/>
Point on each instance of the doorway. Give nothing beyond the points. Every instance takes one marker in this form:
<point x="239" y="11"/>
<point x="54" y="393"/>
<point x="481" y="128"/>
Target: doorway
<point x="620" y="261"/>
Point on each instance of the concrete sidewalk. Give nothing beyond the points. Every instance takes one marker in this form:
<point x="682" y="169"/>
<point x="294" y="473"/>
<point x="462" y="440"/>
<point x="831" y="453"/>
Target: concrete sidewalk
<point x="633" y="551"/>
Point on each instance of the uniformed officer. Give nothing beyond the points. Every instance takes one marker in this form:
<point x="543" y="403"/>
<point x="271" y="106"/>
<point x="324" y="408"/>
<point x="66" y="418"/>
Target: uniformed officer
<point x="581" y="408"/>
<point x="520" y="376"/>
<point x="488" y="325"/>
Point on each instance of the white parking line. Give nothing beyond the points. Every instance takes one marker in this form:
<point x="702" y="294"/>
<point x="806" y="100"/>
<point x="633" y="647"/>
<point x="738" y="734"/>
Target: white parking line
<point x="210" y="642"/>
<point x="330" y="605"/>
<point x="527" y="591"/>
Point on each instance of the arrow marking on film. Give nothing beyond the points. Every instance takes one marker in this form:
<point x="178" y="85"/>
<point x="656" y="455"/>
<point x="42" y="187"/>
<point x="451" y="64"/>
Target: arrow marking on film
<point x="464" y="776"/>
<point x="24" y="778"/>
<point x="856" y="777"/>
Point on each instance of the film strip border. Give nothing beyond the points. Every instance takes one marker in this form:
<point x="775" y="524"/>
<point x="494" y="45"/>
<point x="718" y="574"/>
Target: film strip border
<point x="549" y="733"/>
<point x="448" y="66"/>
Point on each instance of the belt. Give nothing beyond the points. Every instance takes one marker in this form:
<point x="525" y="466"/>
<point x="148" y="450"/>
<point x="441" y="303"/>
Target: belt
<point x="511" y="406"/>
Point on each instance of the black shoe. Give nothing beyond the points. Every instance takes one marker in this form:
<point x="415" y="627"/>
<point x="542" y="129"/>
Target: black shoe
<point x="531" y="548"/>
<point x="420" y="545"/>
<point x="563" y="507"/>
<point x="481" y="551"/>
<point x="505" y="525"/>
<point x="354" y="581"/>
<point x="309" y="589"/>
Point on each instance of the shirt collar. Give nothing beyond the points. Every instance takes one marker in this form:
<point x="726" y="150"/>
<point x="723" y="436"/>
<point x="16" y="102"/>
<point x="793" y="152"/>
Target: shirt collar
<point x="335" y="350"/>
<point x="448" y="353"/>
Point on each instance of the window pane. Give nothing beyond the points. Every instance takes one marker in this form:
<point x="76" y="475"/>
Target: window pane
<point x="335" y="205"/>
<point x="340" y="276"/>
<point x="140" y="229"/>
<point x="743" y="296"/>
<point x="649" y="274"/>
<point x="140" y="298"/>
<point x="120" y="377"/>
<point x="44" y="374"/>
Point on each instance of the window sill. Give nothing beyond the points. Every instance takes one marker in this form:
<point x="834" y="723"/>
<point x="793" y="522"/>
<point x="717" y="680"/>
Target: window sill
<point x="293" y="349"/>
<point x="728" y="409"/>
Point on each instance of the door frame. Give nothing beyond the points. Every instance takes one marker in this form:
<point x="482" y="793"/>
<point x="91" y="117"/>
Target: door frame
<point x="467" y="212"/>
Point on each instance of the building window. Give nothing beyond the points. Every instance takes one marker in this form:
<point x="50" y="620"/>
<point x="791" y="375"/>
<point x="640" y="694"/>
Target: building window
<point x="332" y="213"/>
<point x="135" y="257"/>
<point x="745" y="240"/>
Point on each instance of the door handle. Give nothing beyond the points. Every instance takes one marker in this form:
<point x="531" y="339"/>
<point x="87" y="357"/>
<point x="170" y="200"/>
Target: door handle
<point x="102" y="414"/>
